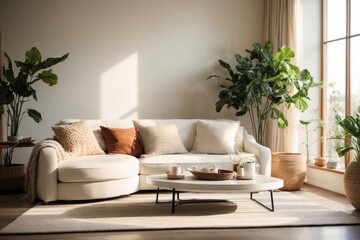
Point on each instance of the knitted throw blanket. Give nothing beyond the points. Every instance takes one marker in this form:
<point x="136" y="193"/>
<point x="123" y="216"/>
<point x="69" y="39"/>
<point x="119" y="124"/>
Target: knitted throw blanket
<point x="32" y="167"/>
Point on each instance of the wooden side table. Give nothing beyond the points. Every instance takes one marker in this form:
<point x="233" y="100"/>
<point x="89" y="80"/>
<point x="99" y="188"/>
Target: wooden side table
<point x="9" y="147"/>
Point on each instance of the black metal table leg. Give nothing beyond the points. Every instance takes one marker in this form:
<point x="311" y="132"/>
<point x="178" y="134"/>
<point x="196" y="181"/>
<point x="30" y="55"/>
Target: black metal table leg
<point x="272" y="209"/>
<point x="173" y="201"/>
<point x="157" y="195"/>
<point x="176" y="203"/>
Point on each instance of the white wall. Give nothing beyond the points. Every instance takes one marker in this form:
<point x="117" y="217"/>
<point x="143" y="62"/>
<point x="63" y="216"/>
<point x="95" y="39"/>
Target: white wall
<point x="312" y="61"/>
<point x="129" y="58"/>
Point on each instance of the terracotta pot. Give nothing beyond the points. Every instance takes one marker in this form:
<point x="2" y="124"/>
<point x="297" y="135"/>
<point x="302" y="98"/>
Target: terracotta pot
<point x="320" y="161"/>
<point x="352" y="184"/>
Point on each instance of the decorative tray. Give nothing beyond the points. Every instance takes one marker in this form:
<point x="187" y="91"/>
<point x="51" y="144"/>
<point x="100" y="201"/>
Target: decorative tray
<point x="220" y="175"/>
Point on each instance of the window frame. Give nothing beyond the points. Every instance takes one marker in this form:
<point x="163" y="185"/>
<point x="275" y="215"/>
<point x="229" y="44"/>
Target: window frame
<point x="324" y="43"/>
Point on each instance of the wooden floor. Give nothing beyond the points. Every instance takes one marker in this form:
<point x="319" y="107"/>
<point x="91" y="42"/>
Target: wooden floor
<point x="13" y="205"/>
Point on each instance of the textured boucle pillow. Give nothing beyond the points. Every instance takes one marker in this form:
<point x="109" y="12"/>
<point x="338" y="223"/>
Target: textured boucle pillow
<point x="161" y="139"/>
<point x="77" y="138"/>
<point x="218" y="137"/>
<point x="122" y="141"/>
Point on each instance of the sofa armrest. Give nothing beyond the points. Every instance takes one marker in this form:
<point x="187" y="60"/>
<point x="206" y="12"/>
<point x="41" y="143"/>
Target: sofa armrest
<point x="263" y="153"/>
<point x="47" y="175"/>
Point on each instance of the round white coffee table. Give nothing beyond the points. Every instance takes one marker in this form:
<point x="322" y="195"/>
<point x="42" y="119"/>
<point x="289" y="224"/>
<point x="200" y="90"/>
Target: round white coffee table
<point x="192" y="184"/>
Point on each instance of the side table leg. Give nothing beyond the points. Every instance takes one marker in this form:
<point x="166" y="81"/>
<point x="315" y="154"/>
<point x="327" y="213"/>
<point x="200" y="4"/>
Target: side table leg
<point x="157" y="195"/>
<point x="173" y="201"/>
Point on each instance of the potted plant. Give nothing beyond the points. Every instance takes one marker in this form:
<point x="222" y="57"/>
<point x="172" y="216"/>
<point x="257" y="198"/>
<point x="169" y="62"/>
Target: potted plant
<point x="350" y="136"/>
<point x="260" y="83"/>
<point x="308" y="125"/>
<point x="319" y="161"/>
<point x="16" y="90"/>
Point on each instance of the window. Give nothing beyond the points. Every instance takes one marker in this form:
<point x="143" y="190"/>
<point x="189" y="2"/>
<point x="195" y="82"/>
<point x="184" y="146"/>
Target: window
<point x="341" y="66"/>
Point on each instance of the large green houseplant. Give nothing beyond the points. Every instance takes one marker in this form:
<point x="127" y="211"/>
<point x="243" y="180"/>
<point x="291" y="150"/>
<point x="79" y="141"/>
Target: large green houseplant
<point x="17" y="89"/>
<point x="260" y="83"/>
<point x="350" y="138"/>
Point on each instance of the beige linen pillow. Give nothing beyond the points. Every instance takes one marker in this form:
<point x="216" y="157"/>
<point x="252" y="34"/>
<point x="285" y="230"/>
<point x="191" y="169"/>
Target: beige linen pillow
<point x="161" y="139"/>
<point x="77" y="138"/>
<point x="217" y="137"/>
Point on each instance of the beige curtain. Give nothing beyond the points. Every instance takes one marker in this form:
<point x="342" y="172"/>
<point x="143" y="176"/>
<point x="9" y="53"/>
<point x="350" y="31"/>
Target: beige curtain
<point x="283" y="26"/>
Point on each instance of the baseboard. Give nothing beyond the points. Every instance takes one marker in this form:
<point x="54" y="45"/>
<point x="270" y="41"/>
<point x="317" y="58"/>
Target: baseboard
<point x="327" y="180"/>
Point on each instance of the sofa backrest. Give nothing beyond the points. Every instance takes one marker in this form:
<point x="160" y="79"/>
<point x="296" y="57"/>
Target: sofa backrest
<point x="186" y="127"/>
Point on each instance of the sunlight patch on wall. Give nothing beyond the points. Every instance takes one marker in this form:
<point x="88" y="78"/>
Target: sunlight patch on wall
<point x="119" y="90"/>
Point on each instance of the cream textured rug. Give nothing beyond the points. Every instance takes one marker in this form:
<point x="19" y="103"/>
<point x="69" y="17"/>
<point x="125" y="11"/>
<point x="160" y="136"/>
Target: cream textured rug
<point x="140" y="212"/>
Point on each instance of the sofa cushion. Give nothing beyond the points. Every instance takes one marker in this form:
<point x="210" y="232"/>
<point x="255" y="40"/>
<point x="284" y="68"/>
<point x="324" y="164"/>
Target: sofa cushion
<point x="97" y="168"/>
<point x="216" y="137"/>
<point x="77" y="138"/>
<point x="186" y="128"/>
<point x="96" y="123"/>
<point x="122" y="141"/>
<point x="161" y="139"/>
<point x="160" y="163"/>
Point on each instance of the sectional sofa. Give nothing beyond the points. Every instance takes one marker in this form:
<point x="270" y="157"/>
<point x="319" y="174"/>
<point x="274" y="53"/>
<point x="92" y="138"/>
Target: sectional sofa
<point x="109" y="158"/>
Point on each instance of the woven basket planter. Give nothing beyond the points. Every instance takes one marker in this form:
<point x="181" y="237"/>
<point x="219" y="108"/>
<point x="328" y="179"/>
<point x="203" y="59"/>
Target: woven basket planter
<point x="352" y="183"/>
<point x="12" y="178"/>
<point x="291" y="167"/>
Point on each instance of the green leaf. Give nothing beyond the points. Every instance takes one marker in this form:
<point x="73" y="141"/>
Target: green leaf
<point x="34" y="115"/>
<point x="49" y="62"/>
<point x="227" y="67"/>
<point x="285" y="54"/>
<point x="282" y="122"/>
<point x="6" y="95"/>
<point x="300" y="104"/>
<point x="47" y="76"/>
<point x="33" y="56"/>
<point x="342" y="150"/>
<point x="305" y="122"/>
<point x="8" y="72"/>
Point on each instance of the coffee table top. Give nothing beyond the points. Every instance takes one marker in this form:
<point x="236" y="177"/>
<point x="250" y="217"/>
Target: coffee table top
<point x="191" y="183"/>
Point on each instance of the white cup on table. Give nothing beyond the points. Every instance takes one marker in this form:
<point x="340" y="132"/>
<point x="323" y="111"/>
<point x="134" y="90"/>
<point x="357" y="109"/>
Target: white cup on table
<point x="175" y="170"/>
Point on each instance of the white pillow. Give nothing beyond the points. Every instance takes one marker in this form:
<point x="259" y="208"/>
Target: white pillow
<point x="218" y="137"/>
<point x="161" y="139"/>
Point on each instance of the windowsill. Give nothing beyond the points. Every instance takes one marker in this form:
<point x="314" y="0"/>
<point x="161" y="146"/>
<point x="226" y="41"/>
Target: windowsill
<point x="335" y="170"/>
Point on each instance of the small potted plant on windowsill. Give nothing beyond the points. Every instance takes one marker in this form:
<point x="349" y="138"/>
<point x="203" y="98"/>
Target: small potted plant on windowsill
<point x="15" y="92"/>
<point x="308" y="125"/>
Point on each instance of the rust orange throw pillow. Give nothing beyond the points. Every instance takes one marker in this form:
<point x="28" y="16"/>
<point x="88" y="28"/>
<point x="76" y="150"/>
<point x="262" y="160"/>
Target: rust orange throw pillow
<point x="122" y="141"/>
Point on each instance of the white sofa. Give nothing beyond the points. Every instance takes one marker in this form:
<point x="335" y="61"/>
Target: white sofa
<point x="111" y="175"/>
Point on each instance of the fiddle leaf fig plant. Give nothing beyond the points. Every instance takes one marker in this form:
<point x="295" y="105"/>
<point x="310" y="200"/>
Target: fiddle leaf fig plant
<point x="15" y="90"/>
<point x="261" y="82"/>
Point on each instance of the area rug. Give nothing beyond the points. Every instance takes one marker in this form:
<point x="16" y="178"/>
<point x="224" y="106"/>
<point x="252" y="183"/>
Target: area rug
<point x="140" y="212"/>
